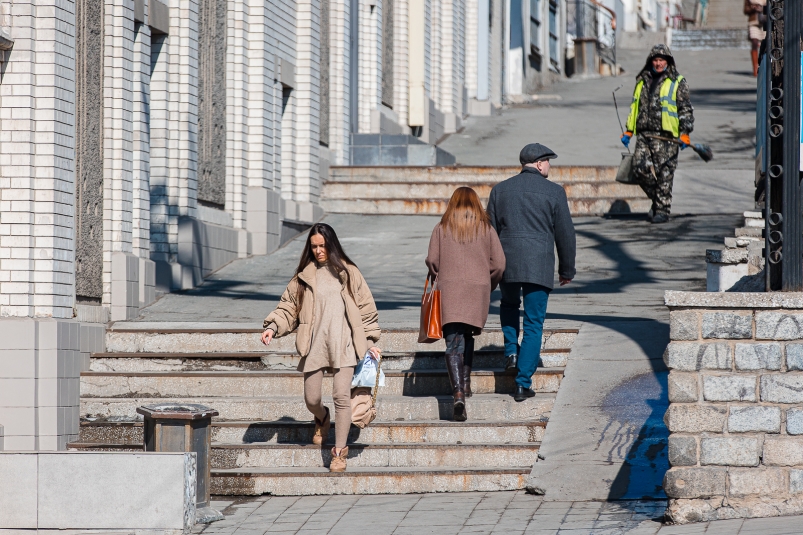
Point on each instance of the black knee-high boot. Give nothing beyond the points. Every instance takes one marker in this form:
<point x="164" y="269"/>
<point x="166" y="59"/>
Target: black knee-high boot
<point x="454" y="367"/>
<point x="468" y="361"/>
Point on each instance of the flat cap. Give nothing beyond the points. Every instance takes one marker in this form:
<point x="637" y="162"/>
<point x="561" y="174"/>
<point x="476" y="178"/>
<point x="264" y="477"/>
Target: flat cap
<point x="535" y="152"/>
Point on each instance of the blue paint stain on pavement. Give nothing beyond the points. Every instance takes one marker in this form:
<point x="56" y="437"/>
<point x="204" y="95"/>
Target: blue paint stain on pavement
<point x="636" y="408"/>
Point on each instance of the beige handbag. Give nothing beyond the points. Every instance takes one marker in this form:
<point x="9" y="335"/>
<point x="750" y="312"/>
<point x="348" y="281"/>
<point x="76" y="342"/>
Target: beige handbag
<point x="363" y="402"/>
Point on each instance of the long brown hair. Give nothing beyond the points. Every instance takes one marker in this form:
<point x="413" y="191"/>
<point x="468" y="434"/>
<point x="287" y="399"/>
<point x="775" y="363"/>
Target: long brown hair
<point x="338" y="259"/>
<point x="465" y="218"/>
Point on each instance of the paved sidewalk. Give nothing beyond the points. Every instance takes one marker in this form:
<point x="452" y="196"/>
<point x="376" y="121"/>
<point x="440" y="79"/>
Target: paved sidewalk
<point x="606" y="438"/>
<point x="582" y="128"/>
<point x="509" y="513"/>
<point x="577" y="119"/>
<point x="623" y="268"/>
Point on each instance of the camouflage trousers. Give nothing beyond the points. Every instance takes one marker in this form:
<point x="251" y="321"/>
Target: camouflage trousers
<point x="654" y="164"/>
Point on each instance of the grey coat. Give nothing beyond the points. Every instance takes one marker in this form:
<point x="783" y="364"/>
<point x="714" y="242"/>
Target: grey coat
<point x="531" y="216"/>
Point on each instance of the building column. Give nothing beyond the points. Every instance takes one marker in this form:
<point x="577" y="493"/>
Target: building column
<point x="120" y="287"/>
<point x="236" y="111"/>
<point x="340" y="66"/>
<point x="307" y="185"/>
<point x="370" y="61"/>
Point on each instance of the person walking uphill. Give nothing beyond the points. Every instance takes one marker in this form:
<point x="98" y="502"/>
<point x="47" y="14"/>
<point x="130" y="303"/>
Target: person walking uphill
<point x="330" y="308"/>
<point x="531" y="216"/>
<point x="467" y="260"/>
<point x="661" y="108"/>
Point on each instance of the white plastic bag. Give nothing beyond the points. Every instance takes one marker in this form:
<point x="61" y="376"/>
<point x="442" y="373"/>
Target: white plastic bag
<point x="365" y="373"/>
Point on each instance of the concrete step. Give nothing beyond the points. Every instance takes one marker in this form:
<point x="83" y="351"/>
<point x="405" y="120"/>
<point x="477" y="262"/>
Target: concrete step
<point x="725" y="14"/>
<point x="366" y="191"/>
<point x="105" y="446"/>
<point x="748" y="232"/>
<point x="709" y="39"/>
<point x="481" y="407"/>
<point x="164" y="362"/>
<point x="467" y="175"/>
<point x="577" y="207"/>
<point x="312" y="481"/>
<point x="401" y="455"/>
<point x="379" y="432"/>
<point x="291" y="383"/>
<point x="426" y="190"/>
<point x="363" y="455"/>
<point x="179" y="338"/>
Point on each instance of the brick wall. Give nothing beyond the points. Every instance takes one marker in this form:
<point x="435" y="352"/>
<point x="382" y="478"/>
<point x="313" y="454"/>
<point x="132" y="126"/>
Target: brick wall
<point x="37" y="184"/>
<point x="736" y="405"/>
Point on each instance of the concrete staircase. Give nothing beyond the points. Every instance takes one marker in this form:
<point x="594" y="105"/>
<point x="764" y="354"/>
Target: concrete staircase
<point x="726" y="14"/>
<point x="707" y="39"/>
<point x="725" y="27"/>
<point x="261" y="440"/>
<point x="426" y="190"/>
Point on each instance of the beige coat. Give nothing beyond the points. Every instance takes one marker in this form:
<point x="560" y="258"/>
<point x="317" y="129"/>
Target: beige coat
<point x="361" y="312"/>
<point x="467" y="274"/>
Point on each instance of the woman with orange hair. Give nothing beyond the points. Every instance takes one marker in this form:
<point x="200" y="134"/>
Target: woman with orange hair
<point x="466" y="258"/>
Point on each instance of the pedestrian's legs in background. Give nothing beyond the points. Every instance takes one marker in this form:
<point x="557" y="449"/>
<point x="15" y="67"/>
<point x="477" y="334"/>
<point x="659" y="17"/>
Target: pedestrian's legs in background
<point x="535" y="301"/>
<point x="642" y="169"/>
<point x="454" y="335"/>
<point x="755" y="45"/>
<point x="654" y="164"/>
<point x="665" y="159"/>
<point x="509" y="318"/>
<point x="468" y="363"/>
<point x="341" y="393"/>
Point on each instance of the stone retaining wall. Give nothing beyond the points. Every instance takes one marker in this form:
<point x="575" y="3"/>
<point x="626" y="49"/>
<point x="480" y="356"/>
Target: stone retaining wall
<point x="736" y="405"/>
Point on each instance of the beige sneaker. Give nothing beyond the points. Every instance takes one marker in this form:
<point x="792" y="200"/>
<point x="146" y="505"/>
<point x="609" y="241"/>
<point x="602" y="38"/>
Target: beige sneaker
<point x="322" y="429"/>
<point x="338" y="463"/>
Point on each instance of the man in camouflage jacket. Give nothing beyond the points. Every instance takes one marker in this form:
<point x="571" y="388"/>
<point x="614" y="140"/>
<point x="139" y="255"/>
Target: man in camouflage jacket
<point x="661" y="107"/>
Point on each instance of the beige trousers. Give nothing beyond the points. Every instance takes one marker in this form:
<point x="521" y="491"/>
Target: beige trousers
<point x="341" y="393"/>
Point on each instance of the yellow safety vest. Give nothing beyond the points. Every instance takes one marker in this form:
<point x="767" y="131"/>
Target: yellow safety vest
<point x="669" y="106"/>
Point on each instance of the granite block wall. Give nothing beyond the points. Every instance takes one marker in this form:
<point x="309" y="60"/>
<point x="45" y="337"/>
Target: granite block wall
<point x="736" y="407"/>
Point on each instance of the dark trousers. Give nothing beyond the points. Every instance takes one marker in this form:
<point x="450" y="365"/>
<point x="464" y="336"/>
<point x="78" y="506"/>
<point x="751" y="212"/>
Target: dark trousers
<point x="459" y="339"/>
<point x="654" y="164"/>
<point x="535" y="301"/>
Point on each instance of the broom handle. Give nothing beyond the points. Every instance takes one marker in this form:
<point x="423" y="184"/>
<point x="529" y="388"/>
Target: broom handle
<point x="615" y="105"/>
<point x="673" y="140"/>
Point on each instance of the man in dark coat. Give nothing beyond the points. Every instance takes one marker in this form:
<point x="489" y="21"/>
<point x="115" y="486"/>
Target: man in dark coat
<point x="661" y="108"/>
<point x="531" y="216"/>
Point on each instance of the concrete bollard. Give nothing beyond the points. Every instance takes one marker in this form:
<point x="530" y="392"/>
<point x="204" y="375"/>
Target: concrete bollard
<point x="187" y="427"/>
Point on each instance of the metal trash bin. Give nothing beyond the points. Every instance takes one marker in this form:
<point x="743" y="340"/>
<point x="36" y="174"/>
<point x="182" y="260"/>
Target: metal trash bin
<point x="184" y="427"/>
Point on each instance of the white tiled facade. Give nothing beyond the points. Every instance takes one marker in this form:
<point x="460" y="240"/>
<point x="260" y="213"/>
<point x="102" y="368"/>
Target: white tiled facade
<point x="155" y="231"/>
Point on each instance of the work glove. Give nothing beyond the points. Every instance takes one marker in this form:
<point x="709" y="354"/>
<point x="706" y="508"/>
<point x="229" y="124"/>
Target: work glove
<point x="685" y="141"/>
<point x="626" y="139"/>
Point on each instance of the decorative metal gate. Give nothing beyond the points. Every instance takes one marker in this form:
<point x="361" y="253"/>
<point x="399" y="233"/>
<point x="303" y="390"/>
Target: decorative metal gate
<point x="779" y="142"/>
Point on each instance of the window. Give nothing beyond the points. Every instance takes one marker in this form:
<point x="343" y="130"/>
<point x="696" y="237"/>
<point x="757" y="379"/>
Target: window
<point x="535" y="27"/>
<point x="554" y="49"/>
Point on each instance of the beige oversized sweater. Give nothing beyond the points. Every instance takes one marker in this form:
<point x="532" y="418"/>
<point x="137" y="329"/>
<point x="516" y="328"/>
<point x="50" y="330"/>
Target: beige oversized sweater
<point x="331" y="345"/>
<point x="331" y="334"/>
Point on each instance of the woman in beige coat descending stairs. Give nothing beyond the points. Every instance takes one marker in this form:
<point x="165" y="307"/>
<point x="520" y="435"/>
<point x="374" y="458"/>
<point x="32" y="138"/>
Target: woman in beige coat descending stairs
<point x="330" y="308"/>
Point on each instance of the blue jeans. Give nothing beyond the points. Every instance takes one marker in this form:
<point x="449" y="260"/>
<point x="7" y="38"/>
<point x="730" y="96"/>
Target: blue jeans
<point x="535" y="301"/>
